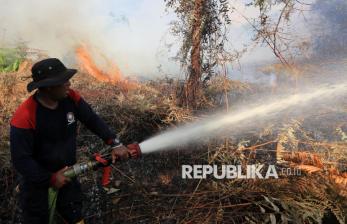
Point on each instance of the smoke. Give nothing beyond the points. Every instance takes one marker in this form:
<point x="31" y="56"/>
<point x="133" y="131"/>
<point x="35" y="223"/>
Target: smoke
<point x="126" y="31"/>
<point x="56" y="27"/>
<point x="330" y="28"/>
<point x="317" y="34"/>
<point x="131" y="32"/>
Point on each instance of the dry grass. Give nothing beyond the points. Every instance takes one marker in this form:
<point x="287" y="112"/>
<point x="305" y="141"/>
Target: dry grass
<point x="152" y="190"/>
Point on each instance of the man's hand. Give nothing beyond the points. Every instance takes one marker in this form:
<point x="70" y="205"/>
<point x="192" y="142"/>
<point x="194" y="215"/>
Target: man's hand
<point x="120" y="152"/>
<point x="60" y="180"/>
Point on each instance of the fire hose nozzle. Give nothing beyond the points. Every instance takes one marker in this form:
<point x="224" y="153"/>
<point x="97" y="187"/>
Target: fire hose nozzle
<point x="134" y="150"/>
<point x="77" y="169"/>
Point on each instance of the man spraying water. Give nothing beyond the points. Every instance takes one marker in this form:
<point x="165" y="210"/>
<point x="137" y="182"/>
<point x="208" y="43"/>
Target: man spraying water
<point x="43" y="142"/>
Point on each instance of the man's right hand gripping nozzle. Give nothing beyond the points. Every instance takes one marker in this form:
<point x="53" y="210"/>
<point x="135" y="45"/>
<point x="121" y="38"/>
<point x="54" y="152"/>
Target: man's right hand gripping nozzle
<point x="134" y="150"/>
<point x="123" y="153"/>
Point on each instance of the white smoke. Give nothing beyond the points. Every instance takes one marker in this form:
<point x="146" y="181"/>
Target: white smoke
<point x="127" y="32"/>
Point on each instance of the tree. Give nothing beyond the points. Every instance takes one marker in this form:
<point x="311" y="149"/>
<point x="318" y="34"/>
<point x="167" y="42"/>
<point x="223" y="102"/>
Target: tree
<point x="203" y="27"/>
<point x="202" y="24"/>
<point x="193" y="85"/>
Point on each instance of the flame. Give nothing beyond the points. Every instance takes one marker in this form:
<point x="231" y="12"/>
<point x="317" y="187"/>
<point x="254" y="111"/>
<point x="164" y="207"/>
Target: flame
<point x="87" y="63"/>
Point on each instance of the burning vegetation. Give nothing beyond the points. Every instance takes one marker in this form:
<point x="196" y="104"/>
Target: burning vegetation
<point x="88" y="65"/>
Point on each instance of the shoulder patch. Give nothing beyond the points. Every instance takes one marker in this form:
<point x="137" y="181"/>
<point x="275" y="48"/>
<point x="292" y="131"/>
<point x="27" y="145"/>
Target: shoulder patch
<point x="25" y="115"/>
<point x="75" y="96"/>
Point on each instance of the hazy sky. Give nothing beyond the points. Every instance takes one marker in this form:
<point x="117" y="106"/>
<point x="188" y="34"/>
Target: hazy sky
<point x="133" y="33"/>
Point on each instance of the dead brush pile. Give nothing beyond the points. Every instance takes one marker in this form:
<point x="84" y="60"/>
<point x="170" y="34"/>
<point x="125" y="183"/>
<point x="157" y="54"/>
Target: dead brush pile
<point x="317" y="195"/>
<point x="12" y="93"/>
<point x="151" y="189"/>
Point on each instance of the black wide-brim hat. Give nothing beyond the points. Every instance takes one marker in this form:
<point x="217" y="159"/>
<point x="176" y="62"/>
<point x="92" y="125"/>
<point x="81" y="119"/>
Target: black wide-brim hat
<point x="49" y="72"/>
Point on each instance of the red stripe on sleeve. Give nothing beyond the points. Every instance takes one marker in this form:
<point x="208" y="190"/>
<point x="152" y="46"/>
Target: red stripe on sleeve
<point x="53" y="179"/>
<point x="75" y="96"/>
<point x="25" y="115"/>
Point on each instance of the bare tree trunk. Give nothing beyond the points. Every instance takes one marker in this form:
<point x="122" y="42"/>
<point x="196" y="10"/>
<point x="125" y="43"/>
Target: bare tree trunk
<point x="192" y="88"/>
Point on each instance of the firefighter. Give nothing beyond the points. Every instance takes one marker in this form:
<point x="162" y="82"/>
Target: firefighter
<point x="43" y="134"/>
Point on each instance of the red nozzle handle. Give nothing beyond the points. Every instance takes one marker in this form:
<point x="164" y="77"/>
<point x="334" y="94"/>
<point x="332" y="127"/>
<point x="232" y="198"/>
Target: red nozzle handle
<point x="102" y="161"/>
<point x="134" y="150"/>
<point x="106" y="168"/>
<point x="106" y="175"/>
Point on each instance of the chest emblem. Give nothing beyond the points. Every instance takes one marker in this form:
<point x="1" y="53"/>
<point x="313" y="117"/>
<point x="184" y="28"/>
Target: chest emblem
<point x="70" y="118"/>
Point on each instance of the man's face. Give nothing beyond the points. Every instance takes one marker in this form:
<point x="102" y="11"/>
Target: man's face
<point x="58" y="92"/>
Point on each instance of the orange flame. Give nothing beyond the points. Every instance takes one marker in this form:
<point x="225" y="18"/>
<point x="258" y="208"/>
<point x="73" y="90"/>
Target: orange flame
<point x="114" y="75"/>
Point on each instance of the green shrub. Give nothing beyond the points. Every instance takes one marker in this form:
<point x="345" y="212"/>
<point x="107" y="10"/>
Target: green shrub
<point x="10" y="59"/>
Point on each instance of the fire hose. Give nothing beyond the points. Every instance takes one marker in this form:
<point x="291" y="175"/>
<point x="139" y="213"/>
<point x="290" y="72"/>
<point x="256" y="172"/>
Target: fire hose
<point x="98" y="161"/>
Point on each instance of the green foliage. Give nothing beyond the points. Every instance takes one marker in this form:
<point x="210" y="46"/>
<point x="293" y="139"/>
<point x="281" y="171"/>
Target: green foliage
<point x="10" y="59"/>
<point x="260" y="3"/>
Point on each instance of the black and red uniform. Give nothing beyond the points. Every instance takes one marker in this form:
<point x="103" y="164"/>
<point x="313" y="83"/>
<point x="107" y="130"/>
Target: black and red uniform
<point x="43" y="141"/>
